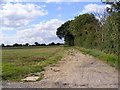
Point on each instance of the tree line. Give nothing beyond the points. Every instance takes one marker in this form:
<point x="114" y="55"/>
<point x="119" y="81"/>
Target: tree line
<point x="89" y="32"/>
<point x="27" y="44"/>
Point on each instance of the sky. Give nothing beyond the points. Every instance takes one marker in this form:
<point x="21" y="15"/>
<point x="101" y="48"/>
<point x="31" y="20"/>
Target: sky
<point x="29" y="22"/>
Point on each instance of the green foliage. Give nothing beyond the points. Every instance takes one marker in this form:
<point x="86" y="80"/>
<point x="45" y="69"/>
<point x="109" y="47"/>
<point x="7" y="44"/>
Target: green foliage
<point x="64" y="32"/>
<point x="86" y="31"/>
<point x="80" y="22"/>
<point x="111" y="35"/>
<point x="78" y="30"/>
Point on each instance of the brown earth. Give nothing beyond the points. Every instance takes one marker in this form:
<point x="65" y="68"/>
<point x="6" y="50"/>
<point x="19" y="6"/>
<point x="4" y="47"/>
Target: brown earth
<point x="75" y="70"/>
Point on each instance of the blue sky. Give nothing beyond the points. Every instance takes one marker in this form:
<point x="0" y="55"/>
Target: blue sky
<point x="29" y="22"/>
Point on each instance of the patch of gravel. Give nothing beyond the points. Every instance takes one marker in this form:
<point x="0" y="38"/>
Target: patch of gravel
<point x="75" y="70"/>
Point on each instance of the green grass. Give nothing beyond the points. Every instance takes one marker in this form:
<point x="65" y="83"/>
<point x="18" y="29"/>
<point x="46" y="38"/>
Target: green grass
<point x="110" y="59"/>
<point x="18" y="63"/>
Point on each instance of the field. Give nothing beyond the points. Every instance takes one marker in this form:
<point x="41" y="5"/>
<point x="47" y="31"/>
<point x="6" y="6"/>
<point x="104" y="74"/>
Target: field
<point x="18" y="62"/>
<point x="74" y="70"/>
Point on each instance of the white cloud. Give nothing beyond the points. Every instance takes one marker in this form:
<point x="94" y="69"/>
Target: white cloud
<point x="44" y="32"/>
<point x="59" y="8"/>
<point x="62" y="1"/>
<point x="98" y="10"/>
<point x="51" y="1"/>
<point x="1" y="37"/>
<point x="94" y="8"/>
<point x="72" y="1"/>
<point x="8" y="39"/>
<point x="14" y="16"/>
<point x="14" y="0"/>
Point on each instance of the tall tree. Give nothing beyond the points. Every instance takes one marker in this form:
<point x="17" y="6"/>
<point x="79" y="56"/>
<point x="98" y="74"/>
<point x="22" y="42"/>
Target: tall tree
<point x="64" y="32"/>
<point x="111" y="27"/>
<point x="81" y="28"/>
<point x="115" y="5"/>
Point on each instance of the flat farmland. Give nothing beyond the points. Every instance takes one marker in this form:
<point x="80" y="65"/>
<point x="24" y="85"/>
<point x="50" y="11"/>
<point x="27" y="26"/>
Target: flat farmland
<point x="18" y="62"/>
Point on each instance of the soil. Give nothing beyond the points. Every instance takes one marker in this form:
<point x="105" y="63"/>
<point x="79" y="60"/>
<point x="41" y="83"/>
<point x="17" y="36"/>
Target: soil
<point x="74" y="70"/>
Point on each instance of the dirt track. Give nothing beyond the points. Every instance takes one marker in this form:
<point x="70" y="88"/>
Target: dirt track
<point x="75" y="70"/>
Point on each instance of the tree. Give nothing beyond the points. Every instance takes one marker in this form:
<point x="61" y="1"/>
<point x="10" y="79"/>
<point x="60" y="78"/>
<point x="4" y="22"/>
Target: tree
<point x="83" y="28"/>
<point x="115" y="5"/>
<point x="8" y="45"/>
<point x="36" y="43"/>
<point x="27" y="44"/>
<point x="43" y="44"/>
<point x="16" y="44"/>
<point x="58" y="44"/>
<point x="52" y="43"/>
<point x="110" y="29"/>
<point x="112" y="32"/>
<point x="79" y="21"/>
<point x="64" y="32"/>
<point x="2" y="45"/>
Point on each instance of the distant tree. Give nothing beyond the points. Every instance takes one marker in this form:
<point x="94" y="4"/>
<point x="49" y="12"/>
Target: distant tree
<point x="8" y="45"/>
<point x="16" y="44"/>
<point x="42" y="44"/>
<point x="58" y="44"/>
<point x="27" y="44"/>
<point x="36" y="43"/>
<point x="20" y="45"/>
<point x="2" y="45"/>
<point x="52" y="43"/>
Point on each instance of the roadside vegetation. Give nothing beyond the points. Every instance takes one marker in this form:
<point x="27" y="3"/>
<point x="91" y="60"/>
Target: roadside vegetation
<point x="18" y="63"/>
<point x="110" y="59"/>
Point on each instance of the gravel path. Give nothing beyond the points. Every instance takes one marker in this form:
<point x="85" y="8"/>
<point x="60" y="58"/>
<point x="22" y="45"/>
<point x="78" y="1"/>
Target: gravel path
<point x="75" y="70"/>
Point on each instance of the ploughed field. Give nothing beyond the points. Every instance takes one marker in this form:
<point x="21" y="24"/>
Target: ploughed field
<point x="19" y="62"/>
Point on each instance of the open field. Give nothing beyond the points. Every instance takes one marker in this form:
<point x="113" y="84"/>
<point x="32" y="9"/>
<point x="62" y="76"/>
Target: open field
<point x="18" y="62"/>
<point x="74" y="70"/>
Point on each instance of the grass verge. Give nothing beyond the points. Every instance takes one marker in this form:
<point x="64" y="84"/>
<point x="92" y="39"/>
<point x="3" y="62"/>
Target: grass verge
<point x="110" y="59"/>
